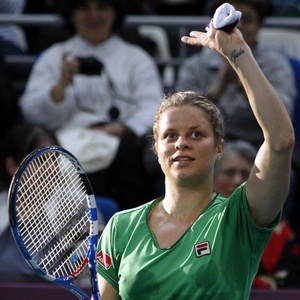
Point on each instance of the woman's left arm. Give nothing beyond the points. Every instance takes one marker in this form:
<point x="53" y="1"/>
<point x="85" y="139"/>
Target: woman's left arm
<point x="268" y="183"/>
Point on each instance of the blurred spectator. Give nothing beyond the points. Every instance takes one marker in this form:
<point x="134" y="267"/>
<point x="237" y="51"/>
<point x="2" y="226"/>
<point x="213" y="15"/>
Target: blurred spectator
<point x="208" y="69"/>
<point x="42" y="37"/>
<point x="19" y="141"/>
<point x="9" y="112"/>
<point x="280" y="262"/>
<point x="11" y="33"/>
<point x="234" y="167"/>
<point x="100" y="93"/>
<point x="13" y="40"/>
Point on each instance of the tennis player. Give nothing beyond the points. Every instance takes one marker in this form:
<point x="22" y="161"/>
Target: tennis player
<point x="192" y="243"/>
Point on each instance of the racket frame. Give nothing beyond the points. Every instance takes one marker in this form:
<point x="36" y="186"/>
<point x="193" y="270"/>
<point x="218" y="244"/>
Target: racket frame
<point x="65" y="282"/>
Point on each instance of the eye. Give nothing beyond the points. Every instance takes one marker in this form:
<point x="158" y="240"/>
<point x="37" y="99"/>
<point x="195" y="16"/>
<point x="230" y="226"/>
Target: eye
<point x="170" y="136"/>
<point x="196" y="134"/>
<point x="229" y="172"/>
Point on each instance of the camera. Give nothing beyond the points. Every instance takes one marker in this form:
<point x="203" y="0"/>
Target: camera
<point x="90" y="66"/>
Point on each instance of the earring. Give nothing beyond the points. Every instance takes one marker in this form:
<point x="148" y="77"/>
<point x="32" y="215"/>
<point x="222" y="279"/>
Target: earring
<point x="218" y="156"/>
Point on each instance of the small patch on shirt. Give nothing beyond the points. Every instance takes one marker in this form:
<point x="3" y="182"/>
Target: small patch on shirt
<point x="202" y="249"/>
<point x="104" y="259"/>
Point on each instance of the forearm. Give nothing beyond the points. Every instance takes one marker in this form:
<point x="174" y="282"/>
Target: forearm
<point x="37" y="106"/>
<point x="265" y="102"/>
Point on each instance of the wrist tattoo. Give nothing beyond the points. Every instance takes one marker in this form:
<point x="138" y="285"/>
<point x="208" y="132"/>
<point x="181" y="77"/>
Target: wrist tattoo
<point x="236" y="53"/>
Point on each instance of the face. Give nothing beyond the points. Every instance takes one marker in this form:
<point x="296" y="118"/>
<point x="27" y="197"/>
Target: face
<point x="249" y="24"/>
<point x="94" y="22"/>
<point x="185" y="145"/>
<point x="233" y="171"/>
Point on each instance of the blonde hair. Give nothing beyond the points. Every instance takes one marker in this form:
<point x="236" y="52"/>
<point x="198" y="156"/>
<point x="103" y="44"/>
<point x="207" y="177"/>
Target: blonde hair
<point x="191" y="98"/>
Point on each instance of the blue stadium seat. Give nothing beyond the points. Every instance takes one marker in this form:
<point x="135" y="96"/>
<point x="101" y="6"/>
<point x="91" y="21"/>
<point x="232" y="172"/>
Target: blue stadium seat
<point x="107" y="207"/>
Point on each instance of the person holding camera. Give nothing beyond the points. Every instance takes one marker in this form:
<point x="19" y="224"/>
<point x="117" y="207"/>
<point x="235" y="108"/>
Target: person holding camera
<point x="99" y="94"/>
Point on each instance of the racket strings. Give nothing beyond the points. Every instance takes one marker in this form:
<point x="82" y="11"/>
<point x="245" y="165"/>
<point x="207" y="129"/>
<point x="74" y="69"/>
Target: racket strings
<point x="53" y="205"/>
<point x="34" y="188"/>
<point x="36" y="185"/>
<point x="40" y="189"/>
<point x="56" y="256"/>
<point x="75" y="253"/>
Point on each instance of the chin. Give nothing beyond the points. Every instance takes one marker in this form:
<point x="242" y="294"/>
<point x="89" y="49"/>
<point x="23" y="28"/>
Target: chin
<point x="185" y="177"/>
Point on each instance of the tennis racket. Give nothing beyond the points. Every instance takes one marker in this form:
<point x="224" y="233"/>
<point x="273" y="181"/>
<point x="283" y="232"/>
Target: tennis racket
<point x="53" y="217"/>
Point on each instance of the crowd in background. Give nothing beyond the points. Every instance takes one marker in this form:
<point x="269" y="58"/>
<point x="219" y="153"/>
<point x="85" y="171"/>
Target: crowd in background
<point x="131" y="89"/>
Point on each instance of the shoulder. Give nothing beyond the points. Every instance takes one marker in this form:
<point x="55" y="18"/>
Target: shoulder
<point x="236" y="199"/>
<point x="54" y="50"/>
<point x="72" y="44"/>
<point x="126" y="218"/>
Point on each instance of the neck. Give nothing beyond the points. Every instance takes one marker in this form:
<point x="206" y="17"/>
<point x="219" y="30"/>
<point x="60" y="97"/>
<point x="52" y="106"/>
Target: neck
<point x="184" y="202"/>
<point x="95" y="41"/>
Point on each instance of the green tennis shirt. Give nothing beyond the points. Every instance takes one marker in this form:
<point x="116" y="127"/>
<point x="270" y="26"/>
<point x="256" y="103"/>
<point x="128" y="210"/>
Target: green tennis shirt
<point x="216" y="258"/>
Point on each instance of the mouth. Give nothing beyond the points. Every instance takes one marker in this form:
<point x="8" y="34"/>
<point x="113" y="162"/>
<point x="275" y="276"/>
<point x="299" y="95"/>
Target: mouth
<point x="182" y="158"/>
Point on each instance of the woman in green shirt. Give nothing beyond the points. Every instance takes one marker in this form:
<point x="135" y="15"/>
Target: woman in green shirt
<point x="192" y="243"/>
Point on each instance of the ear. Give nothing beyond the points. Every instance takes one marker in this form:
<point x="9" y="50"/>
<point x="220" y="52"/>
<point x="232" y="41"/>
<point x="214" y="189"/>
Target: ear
<point x="11" y="166"/>
<point x="220" y="147"/>
<point x="155" y="148"/>
<point x="155" y="151"/>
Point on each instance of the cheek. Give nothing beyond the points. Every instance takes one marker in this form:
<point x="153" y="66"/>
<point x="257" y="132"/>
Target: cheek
<point x="163" y="149"/>
<point x="164" y="152"/>
<point x="224" y="182"/>
<point x="163" y="156"/>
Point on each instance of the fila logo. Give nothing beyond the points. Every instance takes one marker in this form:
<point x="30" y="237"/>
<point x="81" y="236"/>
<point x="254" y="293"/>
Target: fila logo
<point x="202" y="249"/>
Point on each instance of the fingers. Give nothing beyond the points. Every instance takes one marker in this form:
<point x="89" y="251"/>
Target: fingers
<point x="69" y="67"/>
<point x="198" y="38"/>
<point x="195" y="38"/>
<point x="188" y="40"/>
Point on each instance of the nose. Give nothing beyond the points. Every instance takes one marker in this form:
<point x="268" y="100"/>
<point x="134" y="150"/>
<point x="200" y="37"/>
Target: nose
<point x="94" y="12"/>
<point x="182" y="144"/>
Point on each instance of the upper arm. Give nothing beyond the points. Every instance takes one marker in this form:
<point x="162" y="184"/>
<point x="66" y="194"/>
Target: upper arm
<point x="107" y="291"/>
<point x="268" y="184"/>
